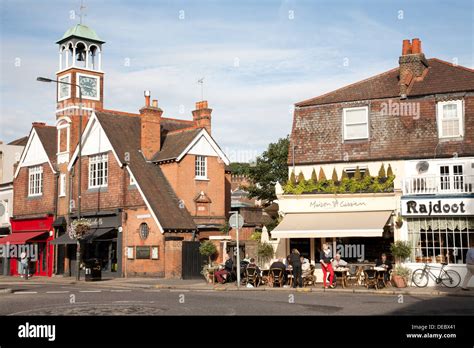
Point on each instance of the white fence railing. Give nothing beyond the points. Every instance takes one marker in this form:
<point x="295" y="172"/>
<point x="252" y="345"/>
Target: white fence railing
<point x="423" y="185"/>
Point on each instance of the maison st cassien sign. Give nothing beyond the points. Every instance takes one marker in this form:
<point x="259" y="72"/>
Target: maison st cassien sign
<point x="438" y="206"/>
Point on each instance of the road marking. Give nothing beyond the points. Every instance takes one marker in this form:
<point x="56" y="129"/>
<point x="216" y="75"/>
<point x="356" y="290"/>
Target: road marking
<point x="151" y="290"/>
<point x="57" y="292"/>
<point x="90" y="291"/>
<point x="25" y="292"/>
<point x="178" y="290"/>
<point x="127" y="301"/>
<point x="113" y="290"/>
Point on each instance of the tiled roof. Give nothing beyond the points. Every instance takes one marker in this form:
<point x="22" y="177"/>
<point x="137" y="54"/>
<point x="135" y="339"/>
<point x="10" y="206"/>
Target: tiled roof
<point x="19" y="142"/>
<point x="174" y="143"/>
<point x="47" y="136"/>
<point x="442" y="77"/>
<point x="124" y="135"/>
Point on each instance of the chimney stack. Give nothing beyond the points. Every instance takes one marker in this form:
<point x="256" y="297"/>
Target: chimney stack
<point x="202" y="115"/>
<point x="150" y="120"/>
<point x="39" y="124"/>
<point x="412" y="65"/>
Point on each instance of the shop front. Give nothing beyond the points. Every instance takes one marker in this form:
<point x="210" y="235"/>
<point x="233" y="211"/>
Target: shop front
<point x="358" y="226"/>
<point x="103" y="242"/>
<point x="440" y="230"/>
<point x="33" y="236"/>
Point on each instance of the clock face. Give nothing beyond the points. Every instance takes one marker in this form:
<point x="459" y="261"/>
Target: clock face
<point x="64" y="89"/>
<point x="89" y="86"/>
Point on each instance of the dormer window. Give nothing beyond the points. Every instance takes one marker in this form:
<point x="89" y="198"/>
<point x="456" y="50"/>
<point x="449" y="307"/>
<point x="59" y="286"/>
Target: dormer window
<point x="356" y="123"/>
<point x="450" y="119"/>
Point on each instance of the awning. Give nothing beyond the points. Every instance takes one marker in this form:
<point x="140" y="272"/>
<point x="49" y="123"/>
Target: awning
<point x="322" y="225"/>
<point x="89" y="238"/>
<point x="60" y="222"/>
<point x="21" y="237"/>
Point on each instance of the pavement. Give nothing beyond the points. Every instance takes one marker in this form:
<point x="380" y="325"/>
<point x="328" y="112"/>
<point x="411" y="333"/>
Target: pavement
<point x="10" y="284"/>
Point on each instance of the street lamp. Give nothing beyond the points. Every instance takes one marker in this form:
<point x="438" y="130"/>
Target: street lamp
<point x="78" y="250"/>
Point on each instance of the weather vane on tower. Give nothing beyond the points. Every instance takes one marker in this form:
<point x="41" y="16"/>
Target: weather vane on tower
<point x="82" y="12"/>
<point x="201" y="82"/>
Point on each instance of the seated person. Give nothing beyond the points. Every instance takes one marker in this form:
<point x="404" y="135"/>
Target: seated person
<point x="305" y="267"/>
<point x="252" y="264"/>
<point x="383" y="262"/>
<point x="222" y="274"/>
<point x="278" y="264"/>
<point x="338" y="262"/>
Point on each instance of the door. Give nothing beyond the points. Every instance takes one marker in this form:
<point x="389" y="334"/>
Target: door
<point x="192" y="260"/>
<point x="451" y="178"/>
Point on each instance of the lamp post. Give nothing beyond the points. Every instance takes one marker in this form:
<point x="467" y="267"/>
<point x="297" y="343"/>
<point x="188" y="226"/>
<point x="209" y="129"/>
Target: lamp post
<point x="78" y="250"/>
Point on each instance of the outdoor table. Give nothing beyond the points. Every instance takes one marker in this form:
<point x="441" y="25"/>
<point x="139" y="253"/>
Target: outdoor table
<point x="289" y="276"/>
<point x="380" y="274"/>
<point x="342" y="272"/>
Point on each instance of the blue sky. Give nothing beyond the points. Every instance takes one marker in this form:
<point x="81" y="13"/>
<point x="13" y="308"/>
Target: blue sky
<point x="258" y="57"/>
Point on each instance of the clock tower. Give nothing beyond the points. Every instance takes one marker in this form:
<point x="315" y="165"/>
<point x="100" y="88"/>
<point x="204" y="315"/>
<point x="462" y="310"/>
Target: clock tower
<point x="80" y="63"/>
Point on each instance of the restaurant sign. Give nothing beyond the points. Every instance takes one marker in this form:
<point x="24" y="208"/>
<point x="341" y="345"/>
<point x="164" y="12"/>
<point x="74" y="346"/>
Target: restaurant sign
<point x="438" y="207"/>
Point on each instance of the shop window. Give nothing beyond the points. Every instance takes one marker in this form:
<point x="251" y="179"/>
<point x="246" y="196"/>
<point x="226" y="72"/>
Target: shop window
<point x="144" y="231"/>
<point x="356" y="123"/>
<point x="35" y="186"/>
<point x="200" y="166"/>
<point x="450" y="119"/>
<point x="440" y="240"/>
<point x="98" y="171"/>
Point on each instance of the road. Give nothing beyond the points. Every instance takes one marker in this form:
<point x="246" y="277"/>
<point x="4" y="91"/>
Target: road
<point x="85" y="299"/>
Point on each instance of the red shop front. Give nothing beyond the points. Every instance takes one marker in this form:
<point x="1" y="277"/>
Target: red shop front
<point x="36" y="232"/>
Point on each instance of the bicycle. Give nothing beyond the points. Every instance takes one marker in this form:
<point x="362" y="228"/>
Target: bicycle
<point x="448" y="278"/>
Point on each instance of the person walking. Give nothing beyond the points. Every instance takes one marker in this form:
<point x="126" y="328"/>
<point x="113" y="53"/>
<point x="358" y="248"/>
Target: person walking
<point x="24" y="265"/>
<point x="295" y="262"/>
<point x="325" y="258"/>
<point x="470" y="268"/>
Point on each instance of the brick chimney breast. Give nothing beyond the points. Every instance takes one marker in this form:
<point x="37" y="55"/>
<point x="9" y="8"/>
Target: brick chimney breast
<point x="412" y="65"/>
<point x="202" y="115"/>
<point x="150" y="124"/>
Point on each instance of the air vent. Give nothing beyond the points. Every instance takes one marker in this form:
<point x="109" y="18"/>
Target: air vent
<point x="422" y="167"/>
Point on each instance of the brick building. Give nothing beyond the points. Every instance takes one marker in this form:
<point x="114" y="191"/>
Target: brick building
<point x="149" y="184"/>
<point x="418" y="119"/>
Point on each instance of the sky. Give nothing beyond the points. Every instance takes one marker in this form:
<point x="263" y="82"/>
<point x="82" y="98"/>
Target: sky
<point x="257" y="58"/>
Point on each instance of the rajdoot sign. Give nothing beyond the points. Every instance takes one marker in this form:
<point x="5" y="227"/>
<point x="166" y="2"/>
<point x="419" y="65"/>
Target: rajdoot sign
<point x="438" y="207"/>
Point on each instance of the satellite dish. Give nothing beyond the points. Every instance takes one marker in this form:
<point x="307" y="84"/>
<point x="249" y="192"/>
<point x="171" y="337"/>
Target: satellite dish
<point x="422" y="167"/>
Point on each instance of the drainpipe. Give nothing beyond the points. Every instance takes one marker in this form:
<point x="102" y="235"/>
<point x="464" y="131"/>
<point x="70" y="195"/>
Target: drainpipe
<point x="56" y="191"/>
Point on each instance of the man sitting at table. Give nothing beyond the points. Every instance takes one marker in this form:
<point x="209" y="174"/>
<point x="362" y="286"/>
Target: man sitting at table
<point x="222" y="275"/>
<point x="384" y="263"/>
<point x="278" y="264"/>
<point x="338" y="262"/>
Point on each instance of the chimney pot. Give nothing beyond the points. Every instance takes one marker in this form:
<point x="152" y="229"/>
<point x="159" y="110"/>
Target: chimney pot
<point x="406" y="47"/>
<point x="155" y="103"/>
<point x="39" y="124"/>
<point x="147" y="98"/>
<point x="416" y="46"/>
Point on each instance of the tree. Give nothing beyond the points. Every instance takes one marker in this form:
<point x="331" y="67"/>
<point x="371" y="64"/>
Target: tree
<point x="322" y="176"/>
<point x="344" y="175"/>
<point x="334" y="175"/>
<point x="382" y="171"/>
<point x="357" y="174"/>
<point x="389" y="171"/>
<point x="314" y="177"/>
<point x="301" y="177"/>
<point x="208" y="249"/>
<point x="239" y="168"/>
<point x="270" y="167"/>
<point x="293" y="178"/>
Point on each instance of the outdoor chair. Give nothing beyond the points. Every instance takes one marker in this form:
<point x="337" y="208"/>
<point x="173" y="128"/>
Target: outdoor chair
<point x="252" y="276"/>
<point x="354" y="274"/>
<point x="371" y="278"/>
<point x="276" y="276"/>
<point x="309" y="278"/>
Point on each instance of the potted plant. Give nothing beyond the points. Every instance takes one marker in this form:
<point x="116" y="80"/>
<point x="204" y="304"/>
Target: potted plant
<point x="400" y="250"/>
<point x="399" y="221"/>
<point x="400" y="276"/>
<point x="265" y="252"/>
<point x="207" y="249"/>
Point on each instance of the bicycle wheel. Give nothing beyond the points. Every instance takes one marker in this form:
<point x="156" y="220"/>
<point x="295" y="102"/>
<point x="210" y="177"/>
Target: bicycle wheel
<point x="420" y="278"/>
<point x="451" y="279"/>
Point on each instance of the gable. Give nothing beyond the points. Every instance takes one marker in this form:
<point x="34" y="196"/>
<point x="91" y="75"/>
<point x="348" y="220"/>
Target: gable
<point x="34" y="152"/>
<point x="203" y="148"/>
<point x="203" y="144"/>
<point x="96" y="140"/>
